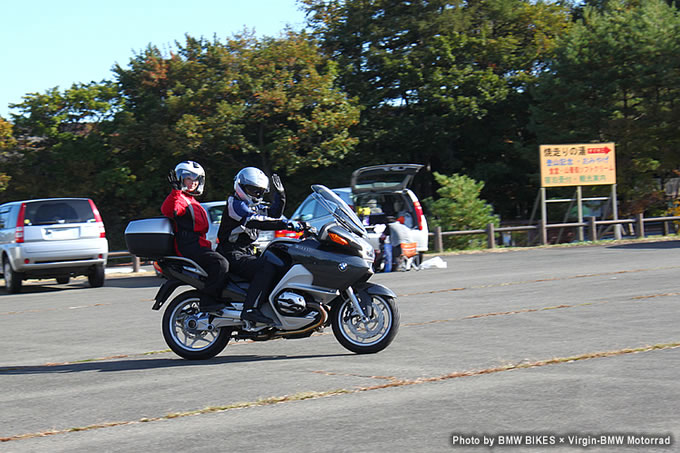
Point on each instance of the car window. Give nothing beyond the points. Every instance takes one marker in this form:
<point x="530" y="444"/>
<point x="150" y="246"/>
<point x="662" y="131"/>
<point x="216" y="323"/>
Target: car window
<point x="383" y="181"/>
<point x="372" y="203"/>
<point x="4" y="218"/>
<point x="377" y="207"/>
<point x="215" y="214"/>
<point x="307" y="209"/>
<point x="58" y="211"/>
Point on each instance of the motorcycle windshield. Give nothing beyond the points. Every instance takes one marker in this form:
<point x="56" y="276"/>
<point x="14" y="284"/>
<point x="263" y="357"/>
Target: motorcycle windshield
<point x="335" y="206"/>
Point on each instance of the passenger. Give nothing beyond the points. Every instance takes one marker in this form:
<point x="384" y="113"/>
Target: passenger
<point x="191" y="225"/>
<point x="244" y="215"/>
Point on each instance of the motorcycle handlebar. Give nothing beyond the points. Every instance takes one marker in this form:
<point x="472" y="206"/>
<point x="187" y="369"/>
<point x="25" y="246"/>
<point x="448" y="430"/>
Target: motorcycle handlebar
<point x="308" y="230"/>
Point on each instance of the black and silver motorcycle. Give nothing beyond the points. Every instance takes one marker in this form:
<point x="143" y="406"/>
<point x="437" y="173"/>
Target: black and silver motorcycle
<point x="323" y="281"/>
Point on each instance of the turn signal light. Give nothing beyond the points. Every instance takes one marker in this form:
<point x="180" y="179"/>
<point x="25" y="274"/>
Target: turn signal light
<point x="338" y="239"/>
<point x="98" y="219"/>
<point x="19" y="231"/>
<point x="287" y="234"/>
<point x="419" y="214"/>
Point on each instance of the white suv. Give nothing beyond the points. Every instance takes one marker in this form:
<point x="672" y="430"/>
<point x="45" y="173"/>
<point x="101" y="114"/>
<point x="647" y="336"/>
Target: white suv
<point x="377" y="193"/>
<point x="52" y="238"/>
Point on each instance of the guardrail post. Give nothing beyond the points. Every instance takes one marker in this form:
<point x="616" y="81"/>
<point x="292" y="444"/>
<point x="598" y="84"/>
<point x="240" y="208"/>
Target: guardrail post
<point x="490" y="235"/>
<point x="543" y="232"/>
<point x="640" y="225"/>
<point x="666" y="230"/>
<point x="592" y="229"/>
<point x="135" y="263"/>
<point x="438" y="243"/>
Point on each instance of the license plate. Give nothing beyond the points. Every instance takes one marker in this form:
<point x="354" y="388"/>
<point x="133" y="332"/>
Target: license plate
<point x="60" y="234"/>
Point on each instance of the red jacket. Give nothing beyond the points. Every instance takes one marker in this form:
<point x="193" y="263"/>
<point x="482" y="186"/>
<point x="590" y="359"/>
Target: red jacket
<point x="191" y="222"/>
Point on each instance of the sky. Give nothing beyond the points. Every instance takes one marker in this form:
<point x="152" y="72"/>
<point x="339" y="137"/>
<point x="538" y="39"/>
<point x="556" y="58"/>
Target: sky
<point x="46" y="43"/>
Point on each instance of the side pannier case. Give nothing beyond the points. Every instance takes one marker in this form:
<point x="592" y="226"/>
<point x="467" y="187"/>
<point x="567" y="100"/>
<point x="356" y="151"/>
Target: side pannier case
<point x="151" y="238"/>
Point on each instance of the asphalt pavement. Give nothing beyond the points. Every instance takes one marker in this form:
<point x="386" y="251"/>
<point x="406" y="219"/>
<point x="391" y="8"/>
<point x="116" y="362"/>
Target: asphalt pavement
<point x="542" y="349"/>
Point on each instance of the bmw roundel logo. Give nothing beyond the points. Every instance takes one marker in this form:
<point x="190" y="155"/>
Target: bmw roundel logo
<point x="342" y="266"/>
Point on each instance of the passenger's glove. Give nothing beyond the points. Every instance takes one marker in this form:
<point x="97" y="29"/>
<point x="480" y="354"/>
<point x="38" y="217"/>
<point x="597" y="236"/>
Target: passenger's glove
<point x="295" y="226"/>
<point x="174" y="182"/>
<point x="278" y="186"/>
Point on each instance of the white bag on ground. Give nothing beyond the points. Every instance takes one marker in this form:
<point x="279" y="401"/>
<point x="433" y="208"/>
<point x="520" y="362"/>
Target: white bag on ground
<point x="433" y="263"/>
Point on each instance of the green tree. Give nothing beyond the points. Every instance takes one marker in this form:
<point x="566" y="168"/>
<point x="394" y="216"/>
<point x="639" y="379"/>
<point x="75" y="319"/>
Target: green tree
<point x="460" y="208"/>
<point x="62" y="141"/>
<point x="616" y="77"/>
<point x="7" y="146"/>
<point x="271" y="103"/>
<point x="443" y="82"/>
<point x="62" y="148"/>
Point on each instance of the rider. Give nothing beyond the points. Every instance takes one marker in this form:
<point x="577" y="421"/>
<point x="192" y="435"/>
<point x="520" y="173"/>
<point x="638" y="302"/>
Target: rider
<point x="191" y="224"/>
<point x="244" y="215"/>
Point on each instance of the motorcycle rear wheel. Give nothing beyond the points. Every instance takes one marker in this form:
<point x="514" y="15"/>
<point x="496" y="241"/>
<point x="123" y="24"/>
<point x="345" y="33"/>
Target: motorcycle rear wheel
<point x="366" y="337"/>
<point x="187" y="342"/>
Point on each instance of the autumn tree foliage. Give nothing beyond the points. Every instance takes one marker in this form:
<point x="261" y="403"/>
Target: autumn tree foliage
<point x="444" y="82"/>
<point x="615" y="77"/>
<point x="271" y="103"/>
<point x="467" y="87"/>
<point x="7" y="145"/>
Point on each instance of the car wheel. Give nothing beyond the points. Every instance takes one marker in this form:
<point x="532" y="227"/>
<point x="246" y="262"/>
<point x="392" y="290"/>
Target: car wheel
<point x="12" y="279"/>
<point x="63" y="280"/>
<point x="96" y="276"/>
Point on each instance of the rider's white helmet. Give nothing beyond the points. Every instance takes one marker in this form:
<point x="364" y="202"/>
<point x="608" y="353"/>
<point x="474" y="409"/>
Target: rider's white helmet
<point x="190" y="169"/>
<point x="250" y="185"/>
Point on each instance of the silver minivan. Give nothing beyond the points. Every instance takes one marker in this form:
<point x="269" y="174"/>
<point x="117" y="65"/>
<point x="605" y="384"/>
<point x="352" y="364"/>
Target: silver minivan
<point x="52" y="238"/>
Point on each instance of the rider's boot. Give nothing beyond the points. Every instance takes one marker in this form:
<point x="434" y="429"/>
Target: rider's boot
<point x="255" y="315"/>
<point x="251" y="312"/>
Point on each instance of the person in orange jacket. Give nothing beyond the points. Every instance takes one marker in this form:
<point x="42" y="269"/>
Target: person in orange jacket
<point x="187" y="180"/>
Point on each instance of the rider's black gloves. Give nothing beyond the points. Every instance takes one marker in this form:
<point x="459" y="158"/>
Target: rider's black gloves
<point x="278" y="186"/>
<point x="174" y="182"/>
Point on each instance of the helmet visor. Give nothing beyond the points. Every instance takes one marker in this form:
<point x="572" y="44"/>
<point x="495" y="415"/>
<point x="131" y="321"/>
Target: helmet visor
<point x="183" y="173"/>
<point x="254" y="191"/>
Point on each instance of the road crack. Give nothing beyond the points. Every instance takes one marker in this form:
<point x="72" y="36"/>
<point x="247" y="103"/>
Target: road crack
<point x="392" y="383"/>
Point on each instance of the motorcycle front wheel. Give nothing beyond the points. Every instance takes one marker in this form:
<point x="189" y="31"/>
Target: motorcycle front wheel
<point x="181" y="333"/>
<point x="366" y="336"/>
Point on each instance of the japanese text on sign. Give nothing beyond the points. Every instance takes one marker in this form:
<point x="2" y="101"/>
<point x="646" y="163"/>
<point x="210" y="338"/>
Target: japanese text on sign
<point x="585" y="164"/>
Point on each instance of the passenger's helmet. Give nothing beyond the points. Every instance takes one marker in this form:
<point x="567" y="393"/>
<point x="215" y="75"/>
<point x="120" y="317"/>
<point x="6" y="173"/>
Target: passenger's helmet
<point x="190" y="169"/>
<point x="250" y="185"/>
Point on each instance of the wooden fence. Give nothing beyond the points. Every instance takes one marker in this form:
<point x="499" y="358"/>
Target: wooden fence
<point x="541" y="229"/>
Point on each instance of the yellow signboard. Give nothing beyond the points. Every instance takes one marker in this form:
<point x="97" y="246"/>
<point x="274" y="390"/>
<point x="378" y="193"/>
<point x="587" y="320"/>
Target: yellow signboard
<point x="587" y="164"/>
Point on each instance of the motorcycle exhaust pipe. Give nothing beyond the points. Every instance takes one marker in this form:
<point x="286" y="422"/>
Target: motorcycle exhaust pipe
<point x="228" y="318"/>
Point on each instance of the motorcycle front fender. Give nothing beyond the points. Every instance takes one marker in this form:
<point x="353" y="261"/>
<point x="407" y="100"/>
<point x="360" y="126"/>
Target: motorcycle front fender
<point x="375" y="289"/>
<point x="164" y="292"/>
<point x="365" y="290"/>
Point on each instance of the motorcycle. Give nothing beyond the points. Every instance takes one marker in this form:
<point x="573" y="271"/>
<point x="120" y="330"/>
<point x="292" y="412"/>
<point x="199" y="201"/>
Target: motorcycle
<point x="323" y="282"/>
